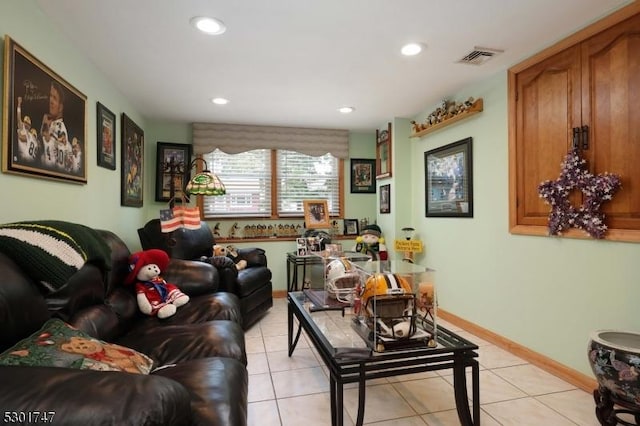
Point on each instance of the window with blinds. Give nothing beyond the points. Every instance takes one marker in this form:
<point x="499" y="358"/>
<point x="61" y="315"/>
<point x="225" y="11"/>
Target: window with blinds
<point x="247" y="177"/>
<point x="303" y="177"/>
<point x="250" y="184"/>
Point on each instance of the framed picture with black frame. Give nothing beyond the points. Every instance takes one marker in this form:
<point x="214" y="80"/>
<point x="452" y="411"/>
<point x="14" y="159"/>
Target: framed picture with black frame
<point x="44" y="120"/>
<point x="132" y="174"/>
<point x="351" y="227"/>
<point x="172" y="161"/>
<point x="363" y="176"/>
<point x="106" y="137"/>
<point x="385" y="198"/>
<point x="449" y="180"/>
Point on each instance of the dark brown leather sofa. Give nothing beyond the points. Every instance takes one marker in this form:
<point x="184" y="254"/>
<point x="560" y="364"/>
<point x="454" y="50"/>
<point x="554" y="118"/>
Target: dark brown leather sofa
<point x="203" y="379"/>
<point x="252" y="285"/>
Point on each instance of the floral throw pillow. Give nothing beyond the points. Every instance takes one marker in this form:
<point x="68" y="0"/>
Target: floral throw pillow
<point x="58" y="344"/>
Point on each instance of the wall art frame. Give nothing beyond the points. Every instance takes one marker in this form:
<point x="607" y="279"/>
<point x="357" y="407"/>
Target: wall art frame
<point x="351" y="227"/>
<point x="106" y="137"/>
<point x="180" y="155"/>
<point x="44" y="120"/>
<point x="363" y="176"/>
<point x="449" y="180"/>
<point x="385" y="198"/>
<point x="383" y="153"/>
<point x="132" y="160"/>
<point x="316" y="214"/>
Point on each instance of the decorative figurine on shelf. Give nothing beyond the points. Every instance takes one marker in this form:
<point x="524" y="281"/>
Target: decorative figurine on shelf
<point x="335" y="229"/>
<point x="233" y="231"/>
<point x="216" y="231"/>
<point x="371" y="242"/>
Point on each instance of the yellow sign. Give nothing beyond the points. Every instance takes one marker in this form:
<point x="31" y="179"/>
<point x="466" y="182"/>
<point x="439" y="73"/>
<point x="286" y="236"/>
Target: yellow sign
<point x="414" y="246"/>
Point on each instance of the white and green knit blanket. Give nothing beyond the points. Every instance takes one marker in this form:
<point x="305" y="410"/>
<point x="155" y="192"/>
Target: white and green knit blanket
<point x="51" y="251"/>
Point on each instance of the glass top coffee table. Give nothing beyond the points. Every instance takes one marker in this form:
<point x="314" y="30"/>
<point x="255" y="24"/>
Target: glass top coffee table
<point x="350" y="360"/>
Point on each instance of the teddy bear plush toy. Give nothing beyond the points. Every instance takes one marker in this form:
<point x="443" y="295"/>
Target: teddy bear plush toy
<point x="155" y="296"/>
<point x="371" y="242"/>
<point x="231" y="253"/>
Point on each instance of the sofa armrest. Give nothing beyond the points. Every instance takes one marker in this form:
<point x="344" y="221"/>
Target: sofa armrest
<point x="253" y="255"/>
<point x="192" y="277"/>
<point x="85" y="397"/>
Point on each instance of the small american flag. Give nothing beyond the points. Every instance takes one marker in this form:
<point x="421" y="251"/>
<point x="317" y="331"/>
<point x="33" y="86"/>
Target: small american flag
<point x="168" y="221"/>
<point x="190" y="216"/>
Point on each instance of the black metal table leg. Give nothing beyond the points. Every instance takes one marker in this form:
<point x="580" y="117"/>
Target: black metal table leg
<point x="339" y="403"/>
<point x="332" y="395"/>
<point x="460" y="392"/>
<point x="289" y="286"/>
<point x="361" y="396"/>
<point x="291" y="341"/>
<point x="475" y="383"/>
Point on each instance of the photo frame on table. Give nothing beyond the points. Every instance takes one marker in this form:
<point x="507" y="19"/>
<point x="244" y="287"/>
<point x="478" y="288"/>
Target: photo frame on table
<point x="351" y="227"/>
<point x="106" y="137"/>
<point x="363" y="176"/>
<point x="316" y="214"/>
<point x="44" y="120"/>
<point x="132" y="182"/>
<point x="383" y="152"/>
<point x="449" y="180"/>
<point x="385" y="198"/>
<point x="172" y="155"/>
<point x="301" y="246"/>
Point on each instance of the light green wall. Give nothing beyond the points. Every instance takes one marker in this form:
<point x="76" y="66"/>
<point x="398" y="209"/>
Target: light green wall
<point x="545" y="293"/>
<point x="97" y="203"/>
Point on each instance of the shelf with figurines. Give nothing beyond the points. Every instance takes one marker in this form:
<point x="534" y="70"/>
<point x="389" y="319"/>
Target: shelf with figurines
<point x="447" y="113"/>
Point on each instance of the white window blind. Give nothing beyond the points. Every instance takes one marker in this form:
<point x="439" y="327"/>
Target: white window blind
<point x="247" y="177"/>
<point x="301" y="177"/>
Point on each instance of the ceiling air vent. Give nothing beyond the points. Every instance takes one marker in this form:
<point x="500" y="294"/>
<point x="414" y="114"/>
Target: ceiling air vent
<point x="479" y="55"/>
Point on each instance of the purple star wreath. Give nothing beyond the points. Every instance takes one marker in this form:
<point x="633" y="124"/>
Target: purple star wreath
<point x="596" y="189"/>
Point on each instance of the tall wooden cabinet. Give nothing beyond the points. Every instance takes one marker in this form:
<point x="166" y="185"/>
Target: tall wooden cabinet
<point x="584" y="92"/>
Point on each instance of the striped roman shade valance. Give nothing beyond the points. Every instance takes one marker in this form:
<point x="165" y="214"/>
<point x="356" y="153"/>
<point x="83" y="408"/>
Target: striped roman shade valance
<point x="237" y="138"/>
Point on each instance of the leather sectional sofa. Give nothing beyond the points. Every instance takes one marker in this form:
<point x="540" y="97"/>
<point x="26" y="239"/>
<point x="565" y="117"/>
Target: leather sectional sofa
<point x="192" y="364"/>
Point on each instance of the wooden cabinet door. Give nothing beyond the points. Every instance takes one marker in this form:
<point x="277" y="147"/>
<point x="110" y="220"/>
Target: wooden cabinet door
<point x="611" y="109"/>
<point x="548" y="98"/>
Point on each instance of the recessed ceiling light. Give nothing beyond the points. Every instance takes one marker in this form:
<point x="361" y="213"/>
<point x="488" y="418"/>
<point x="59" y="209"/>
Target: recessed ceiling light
<point x="220" y="101"/>
<point x="411" y="49"/>
<point x="208" y="25"/>
<point x="346" y="109"/>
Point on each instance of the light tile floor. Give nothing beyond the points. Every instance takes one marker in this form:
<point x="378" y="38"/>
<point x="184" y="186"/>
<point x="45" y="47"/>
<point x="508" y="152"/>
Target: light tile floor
<point x="295" y="391"/>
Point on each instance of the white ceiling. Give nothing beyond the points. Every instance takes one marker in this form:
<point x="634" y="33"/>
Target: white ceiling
<point x="294" y="62"/>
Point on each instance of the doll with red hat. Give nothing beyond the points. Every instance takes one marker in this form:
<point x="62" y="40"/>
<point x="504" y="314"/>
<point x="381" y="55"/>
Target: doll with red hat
<point x="155" y="296"/>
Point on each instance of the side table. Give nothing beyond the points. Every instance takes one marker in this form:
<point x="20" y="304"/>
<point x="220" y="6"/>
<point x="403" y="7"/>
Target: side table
<point x="295" y="263"/>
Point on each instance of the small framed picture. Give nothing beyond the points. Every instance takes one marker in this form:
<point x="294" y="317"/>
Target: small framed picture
<point x="363" y="176"/>
<point x="385" y="198"/>
<point x="172" y="162"/>
<point x="316" y="214"/>
<point x="106" y="137"/>
<point x="301" y="247"/>
<point x="351" y="227"/>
